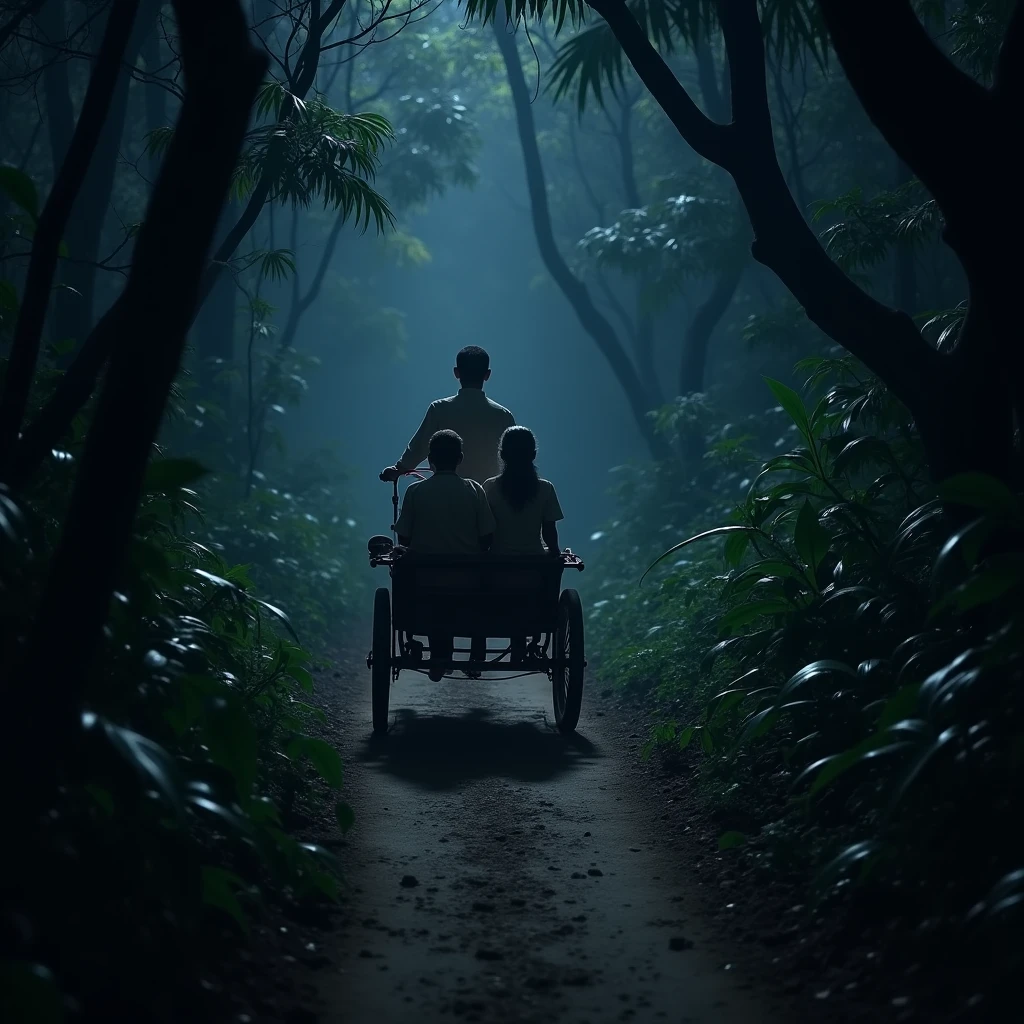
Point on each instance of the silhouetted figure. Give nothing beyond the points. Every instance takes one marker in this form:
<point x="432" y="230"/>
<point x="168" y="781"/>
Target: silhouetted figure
<point x="445" y="514"/>
<point x="524" y="506"/>
<point x="479" y="422"/>
<point x="470" y="413"/>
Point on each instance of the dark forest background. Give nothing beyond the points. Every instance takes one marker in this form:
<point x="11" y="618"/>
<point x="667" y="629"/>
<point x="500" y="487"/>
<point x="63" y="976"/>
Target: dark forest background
<point x="749" y="271"/>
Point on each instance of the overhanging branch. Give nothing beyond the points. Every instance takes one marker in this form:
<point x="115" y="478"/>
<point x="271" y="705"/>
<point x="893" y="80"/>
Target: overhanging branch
<point x="912" y="92"/>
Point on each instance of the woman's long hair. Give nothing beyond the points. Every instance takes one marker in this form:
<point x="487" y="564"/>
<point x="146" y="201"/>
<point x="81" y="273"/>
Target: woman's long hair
<point x="518" y="481"/>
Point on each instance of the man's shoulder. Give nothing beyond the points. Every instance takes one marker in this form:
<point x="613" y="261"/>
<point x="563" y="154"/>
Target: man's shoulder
<point x="499" y="409"/>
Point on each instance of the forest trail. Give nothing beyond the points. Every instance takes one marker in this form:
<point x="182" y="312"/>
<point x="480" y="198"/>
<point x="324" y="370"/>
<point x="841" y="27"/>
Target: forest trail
<point x="501" y="872"/>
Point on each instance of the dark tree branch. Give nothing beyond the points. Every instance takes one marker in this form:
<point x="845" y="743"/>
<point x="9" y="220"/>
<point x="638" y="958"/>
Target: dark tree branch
<point x="1009" y="81"/>
<point x="73" y="313"/>
<point x="222" y="73"/>
<point x="912" y="92"/>
<point x="300" y="83"/>
<point x="60" y="116"/>
<point x="602" y="332"/>
<point x="693" y="366"/>
<point x="707" y="78"/>
<point x="155" y="96"/>
<point x="17" y="18"/>
<point x="79" y="382"/>
<point x="53" y="220"/>
<point x="708" y="139"/>
<point x="887" y="342"/>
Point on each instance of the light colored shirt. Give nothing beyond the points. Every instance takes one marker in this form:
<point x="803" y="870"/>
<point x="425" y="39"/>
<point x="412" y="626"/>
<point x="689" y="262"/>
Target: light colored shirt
<point x="445" y="515"/>
<point x="517" y="532"/>
<point x="476" y="419"/>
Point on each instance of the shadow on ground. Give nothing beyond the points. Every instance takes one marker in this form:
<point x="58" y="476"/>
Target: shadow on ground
<point x="443" y="751"/>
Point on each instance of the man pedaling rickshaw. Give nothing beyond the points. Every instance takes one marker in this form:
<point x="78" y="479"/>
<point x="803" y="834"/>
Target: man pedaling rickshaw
<point x="513" y="513"/>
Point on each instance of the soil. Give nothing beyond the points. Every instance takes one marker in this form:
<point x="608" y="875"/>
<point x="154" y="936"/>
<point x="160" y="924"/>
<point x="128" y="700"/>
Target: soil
<point x="499" y="871"/>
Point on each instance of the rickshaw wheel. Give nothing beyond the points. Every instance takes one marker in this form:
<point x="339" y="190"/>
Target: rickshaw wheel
<point x="381" y="668"/>
<point x="567" y="677"/>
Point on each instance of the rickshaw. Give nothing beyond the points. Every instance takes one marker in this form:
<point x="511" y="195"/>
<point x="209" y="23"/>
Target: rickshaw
<point x="483" y="596"/>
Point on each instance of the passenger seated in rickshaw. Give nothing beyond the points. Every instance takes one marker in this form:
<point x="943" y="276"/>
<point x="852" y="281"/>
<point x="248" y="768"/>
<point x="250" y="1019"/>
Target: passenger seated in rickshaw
<point x="445" y="514"/>
<point x="525" y="507"/>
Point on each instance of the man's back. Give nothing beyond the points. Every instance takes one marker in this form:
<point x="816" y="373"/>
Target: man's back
<point x="476" y="419"/>
<point x="445" y="515"/>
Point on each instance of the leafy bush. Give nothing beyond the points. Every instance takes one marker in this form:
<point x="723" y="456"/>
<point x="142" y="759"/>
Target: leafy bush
<point x="198" y="739"/>
<point x="864" y="679"/>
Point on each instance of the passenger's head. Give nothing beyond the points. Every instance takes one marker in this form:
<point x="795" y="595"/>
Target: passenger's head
<point x="472" y="366"/>
<point x="518" y="482"/>
<point x="445" y="451"/>
<point x="517" y="446"/>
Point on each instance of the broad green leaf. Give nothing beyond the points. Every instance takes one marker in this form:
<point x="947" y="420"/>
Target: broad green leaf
<point x="724" y="702"/>
<point x="230" y="735"/>
<point x="730" y="840"/>
<point x="760" y="723"/>
<point x="793" y="405"/>
<point x="995" y="578"/>
<point x="717" y="532"/>
<point x="325" y="759"/>
<point x="810" y="538"/>
<point x="8" y="296"/>
<point x="170" y="475"/>
<point x="102" y="796"/>
<point x="735" y="547"/>
<point x="154" y="765"/>
<point x="345" y="816"/>
<point x="823" y="668"/>
<point x="978" y="490"/>
<point x="30" y="993"/>
<point x="220" y="890"/>
<point x="899" y="706"/>
<point x="302" y="676"/>
<point x="751" y="610"/>
<point x="20" y="189"/>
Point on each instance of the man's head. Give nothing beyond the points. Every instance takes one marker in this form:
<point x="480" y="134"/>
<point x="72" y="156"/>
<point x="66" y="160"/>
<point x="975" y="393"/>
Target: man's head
<point x="445" y="452"/>
<point x="472" y="366"/>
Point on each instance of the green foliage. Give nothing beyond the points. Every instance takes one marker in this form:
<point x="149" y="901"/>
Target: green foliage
<point x="669" y="243"/>
<point x="20" y="189"/>
<point x="435" y="146"/>
<point x="867" y="229"/>
<point x="316" y="152"/>
<point x="592" y="60"/>
<point x="862" y="669"/>
<point x="199" y="741"/>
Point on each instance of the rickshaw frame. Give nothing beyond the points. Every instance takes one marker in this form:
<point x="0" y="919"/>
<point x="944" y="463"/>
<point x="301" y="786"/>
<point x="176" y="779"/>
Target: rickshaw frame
<point x="481" y="595"/>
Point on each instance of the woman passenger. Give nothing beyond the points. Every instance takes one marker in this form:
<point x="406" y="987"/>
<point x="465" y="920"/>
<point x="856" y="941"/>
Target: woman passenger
<point x="525" y="507"/>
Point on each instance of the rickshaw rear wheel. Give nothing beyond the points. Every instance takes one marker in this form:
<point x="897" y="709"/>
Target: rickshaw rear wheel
<point x="381" y="666"/>
<point x="569" y="663"/>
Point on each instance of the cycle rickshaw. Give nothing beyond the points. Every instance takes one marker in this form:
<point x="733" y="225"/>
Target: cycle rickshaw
<point x="477" y="595"/>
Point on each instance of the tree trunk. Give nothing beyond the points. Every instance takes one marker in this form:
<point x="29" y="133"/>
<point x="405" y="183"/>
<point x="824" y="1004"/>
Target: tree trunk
<point x="885" y="340"/>
<point x="602" y="332"/>
<point x="79" y="382"/>
<point x="60" y="115"/>
<point x="213" y="335"/>
<point x="73" y="311"/>
<point x="154" y="95"/>
<point x="222" y="73"/>
<point x="53" y="220"/>
<point x="904" y="284"/>
<point x="693" y="366"/>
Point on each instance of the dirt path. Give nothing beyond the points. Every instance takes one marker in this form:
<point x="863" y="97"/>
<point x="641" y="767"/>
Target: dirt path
<point x="500" y="872"/>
